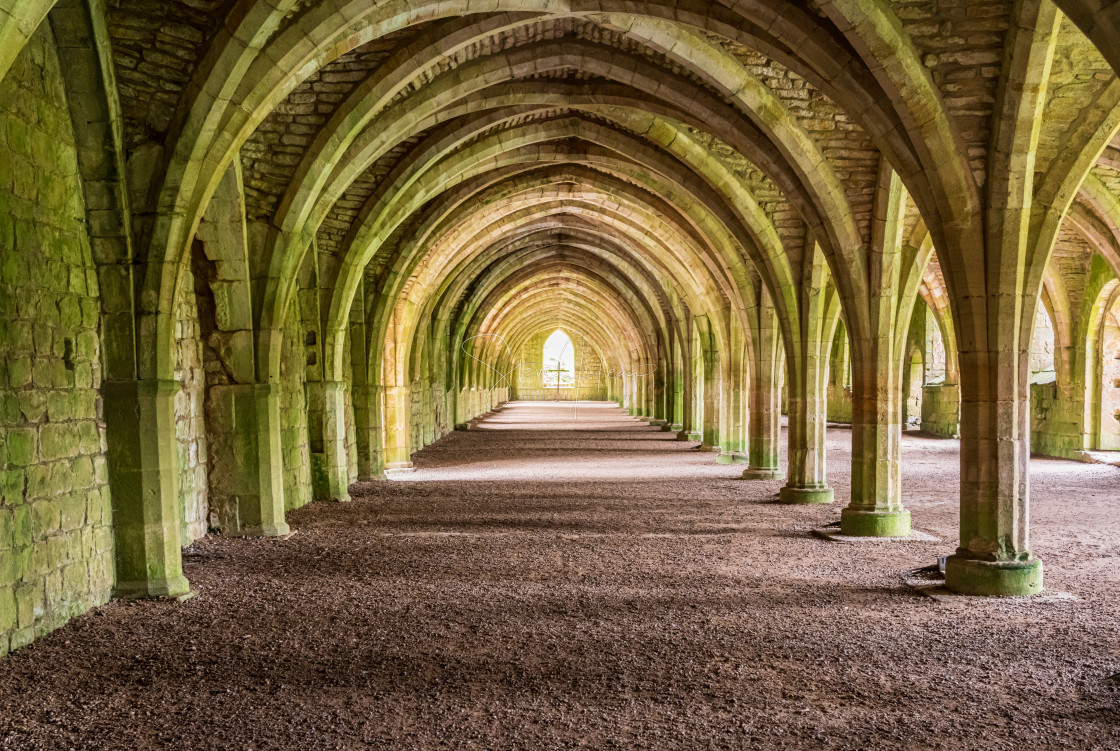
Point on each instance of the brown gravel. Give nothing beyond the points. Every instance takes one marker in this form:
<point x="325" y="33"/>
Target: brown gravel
<point x="594" y="585"/>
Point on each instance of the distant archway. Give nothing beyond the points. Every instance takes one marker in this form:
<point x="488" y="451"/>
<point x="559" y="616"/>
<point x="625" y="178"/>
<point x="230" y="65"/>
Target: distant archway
<point x="558" y="362"/>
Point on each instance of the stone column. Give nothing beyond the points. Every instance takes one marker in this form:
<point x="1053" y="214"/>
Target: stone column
<point x="687" y="386"/>
<point x="696" y="390"/>
<point x="808" y="387"/>
<point x="730" y="425"/>
<point x="711" y="425"/>
<point x="1000" y="264"/>
<point x="661" y="412"/>
<point x="876" y="507"/>
<point x="335" y="481"/>
<point x="675" y="418"/>
<point x="808" y="399"/>
<point x="676" y="424"/>
<point x="140" y="430"/>
<point x="367" y="430"/>
<point x="398" y="458"/>
<point x="765" y="401"/>
<point x="994" y="557"/>
<point x="246" y="484"/>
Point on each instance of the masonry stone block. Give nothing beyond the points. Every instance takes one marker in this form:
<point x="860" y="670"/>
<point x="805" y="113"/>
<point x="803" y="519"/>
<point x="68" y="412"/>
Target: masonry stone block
<point x="246" y="486"/>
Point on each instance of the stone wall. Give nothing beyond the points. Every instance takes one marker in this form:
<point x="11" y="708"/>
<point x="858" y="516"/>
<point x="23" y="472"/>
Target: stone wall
<point x="941" y="409"/>
<point x="1055" y="422"/>
<point x="56" y="540"/>
<point x="839" y="403"/>
<point x="429" y="418"/>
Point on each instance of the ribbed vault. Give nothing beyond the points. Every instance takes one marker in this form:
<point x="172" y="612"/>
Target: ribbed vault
<point x="347" y="221"/>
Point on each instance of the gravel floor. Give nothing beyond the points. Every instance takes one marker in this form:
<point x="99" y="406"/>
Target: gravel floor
<point x="567" y="577"/>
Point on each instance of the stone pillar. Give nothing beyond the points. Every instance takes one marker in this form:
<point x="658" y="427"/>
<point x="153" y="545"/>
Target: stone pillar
<point x="808" y="402"/>
<point x="765" y="397"/>
<point x="994" y="557"/>
<point x="711" y="423"/>
<point x="659" y="394"/>
<point x="246" y="484"/>
<point x="398" y="458"/>
<point x="367" y="429"/>
<point x="334" y="483"/>
<point x="730" y="426"/>
<point x="764" y="430"/>
<point x="698" y="389"/>
<point x="807" y="398"/>
<point x="140" y="429"/>
<point x="876" y="507"/>
<point x="687" y="393"/>
<point x="676" y="397"/>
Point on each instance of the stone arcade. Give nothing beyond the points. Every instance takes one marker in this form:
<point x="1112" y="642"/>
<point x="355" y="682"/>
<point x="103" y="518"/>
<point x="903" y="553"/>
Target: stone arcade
<point x="254" y="252"/>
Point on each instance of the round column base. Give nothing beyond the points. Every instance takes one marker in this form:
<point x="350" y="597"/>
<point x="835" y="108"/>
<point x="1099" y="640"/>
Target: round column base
<point x="805" y="495"/>
<point x="763" y="473"/>
<point x="858" y="523"/>
<point x="968" y="576"/>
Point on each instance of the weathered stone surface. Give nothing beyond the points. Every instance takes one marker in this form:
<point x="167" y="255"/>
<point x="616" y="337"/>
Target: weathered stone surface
<point x="50" y="429"/>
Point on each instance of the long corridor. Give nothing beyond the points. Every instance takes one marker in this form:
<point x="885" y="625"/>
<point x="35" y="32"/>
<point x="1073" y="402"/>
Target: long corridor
<point x="566" y="576"/>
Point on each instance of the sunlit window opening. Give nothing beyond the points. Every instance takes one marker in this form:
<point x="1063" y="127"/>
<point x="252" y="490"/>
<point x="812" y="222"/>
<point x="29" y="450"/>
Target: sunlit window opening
<point x="559" y="361"/>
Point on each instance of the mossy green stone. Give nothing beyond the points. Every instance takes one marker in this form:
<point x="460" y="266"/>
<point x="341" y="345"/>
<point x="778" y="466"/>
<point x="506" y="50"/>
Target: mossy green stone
<point x="805" y="495"/>
<point x="8" y="613"/>
<point x="21" y="446"/>
<point x="857" y="523"/>
<point x="993" y="578"/>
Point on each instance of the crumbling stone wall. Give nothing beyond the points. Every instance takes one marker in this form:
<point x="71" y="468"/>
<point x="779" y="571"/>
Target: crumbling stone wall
<point x="56" y="540"/>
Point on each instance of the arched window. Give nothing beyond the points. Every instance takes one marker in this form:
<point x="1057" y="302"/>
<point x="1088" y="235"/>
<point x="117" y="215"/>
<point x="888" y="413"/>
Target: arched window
<point x="559" y="361"/>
